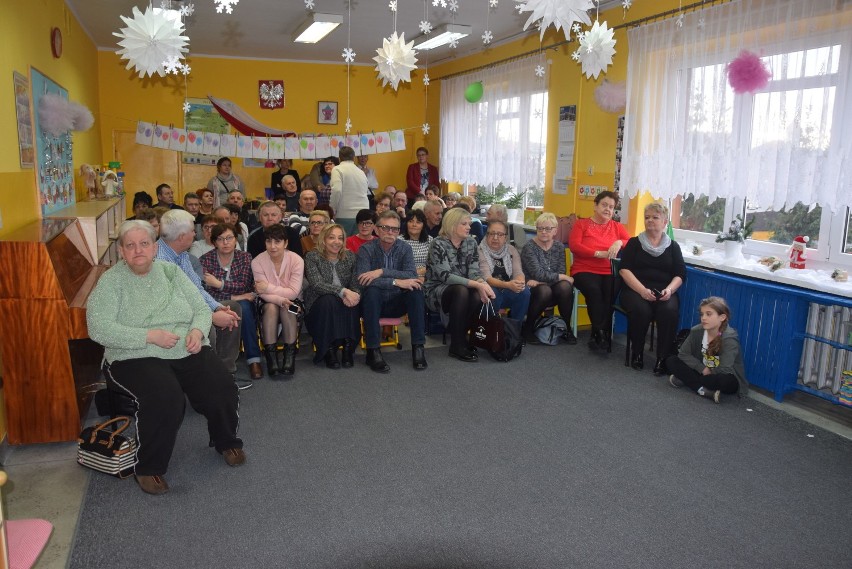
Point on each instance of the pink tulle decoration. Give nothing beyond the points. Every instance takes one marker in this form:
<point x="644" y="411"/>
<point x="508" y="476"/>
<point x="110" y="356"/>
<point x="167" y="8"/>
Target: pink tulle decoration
<point x="611" y="97"/>
<point x="83" y="119"/>
<point x="747" y="73"/>
<point x="54" y="115"/>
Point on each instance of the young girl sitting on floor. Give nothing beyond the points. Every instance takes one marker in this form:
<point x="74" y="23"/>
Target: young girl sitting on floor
<point x="709" y="361"/>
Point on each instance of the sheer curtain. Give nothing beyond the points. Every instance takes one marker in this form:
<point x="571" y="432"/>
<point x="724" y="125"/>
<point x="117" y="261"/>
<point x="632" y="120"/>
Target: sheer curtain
<point x="686" y="132"/>
<point x="501" y="138"/>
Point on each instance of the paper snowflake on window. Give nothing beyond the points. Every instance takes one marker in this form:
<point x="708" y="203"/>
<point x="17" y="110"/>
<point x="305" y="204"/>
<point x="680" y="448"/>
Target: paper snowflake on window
<point x="226" y="5"/>
<point x="395" y="60"/>
<point x="347" y="127"/>
<point x="186" y="107"/>
<point x="559" y="13"/>
<point x="597" y="47"/>
<point x="187" y="10"/>
<point x="679" y="20"/>
<point x="392" y="5"/>
<point x="426" y="79"/>
<point x="441" y="3"/>
<point x="348" y="55"/>
<point x="150" y="39"/>
<point x="453" y="5"/>
<point x="487" y="37"/>
<point x="425" y="128"/>
<point x="425" y="26"/>
<point x="539" y="71"/>
<point x="492" y="3"/>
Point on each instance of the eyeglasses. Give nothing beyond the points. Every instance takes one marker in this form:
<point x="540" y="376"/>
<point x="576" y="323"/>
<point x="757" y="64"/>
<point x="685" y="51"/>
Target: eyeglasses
<point x="388" y="228"/>
<point x="365" y="223"/>
<point x="208" y="227"/>
<point x="318" y="222"/>
<point x="496" y="234"/>
<point x="545" y="229"/>
<point x="225" y="239"/>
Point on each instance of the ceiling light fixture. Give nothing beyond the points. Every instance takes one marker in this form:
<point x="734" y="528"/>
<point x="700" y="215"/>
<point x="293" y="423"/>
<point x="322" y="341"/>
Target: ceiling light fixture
<point x="444" y="35"/>
<point x="316" y="27"/>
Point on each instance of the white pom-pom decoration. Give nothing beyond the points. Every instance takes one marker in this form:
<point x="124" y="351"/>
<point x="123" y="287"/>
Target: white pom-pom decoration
<point x="54" y="114"/>
<point x="82" y="118"/>
<point x="611" y="97"/>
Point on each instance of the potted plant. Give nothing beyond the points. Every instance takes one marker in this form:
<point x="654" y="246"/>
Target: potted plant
<point x="513" y="204"/>
<point x="735" y="238"/>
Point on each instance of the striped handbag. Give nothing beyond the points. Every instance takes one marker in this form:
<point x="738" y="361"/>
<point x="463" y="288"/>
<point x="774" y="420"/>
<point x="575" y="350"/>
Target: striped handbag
<point x="108" y="451"/>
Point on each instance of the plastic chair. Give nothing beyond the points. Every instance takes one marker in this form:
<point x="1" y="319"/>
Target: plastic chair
<point x="569" y="260"/>
<point x="393" y="340"/>
<point x="22" y="540"/>
<point x="617" y="307"/>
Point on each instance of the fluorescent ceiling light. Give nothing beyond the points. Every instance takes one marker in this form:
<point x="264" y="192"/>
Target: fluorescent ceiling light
<point x="445" y="34"/>
<point x="316" y="27"/>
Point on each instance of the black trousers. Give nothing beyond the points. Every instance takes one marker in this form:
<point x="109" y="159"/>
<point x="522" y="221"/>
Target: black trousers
<point x="160" y="388"/>
<point x="460" y="303"/>
<point x="544" y="296"/>
<point x="598" y="292"/>
<point x="640" y="313"/>
<point x="724" y="382"/>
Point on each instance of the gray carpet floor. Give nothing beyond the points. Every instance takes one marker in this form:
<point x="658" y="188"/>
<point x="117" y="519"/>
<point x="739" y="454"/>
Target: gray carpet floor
<point x="559" y="459"/>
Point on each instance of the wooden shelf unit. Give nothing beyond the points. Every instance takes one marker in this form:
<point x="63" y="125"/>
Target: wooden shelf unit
<point x="99" y="221"/>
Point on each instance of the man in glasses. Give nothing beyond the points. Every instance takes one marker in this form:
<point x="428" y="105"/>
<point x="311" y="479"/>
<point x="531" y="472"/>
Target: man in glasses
<point x="385" y="269"/>
<point x="270" y="214"/>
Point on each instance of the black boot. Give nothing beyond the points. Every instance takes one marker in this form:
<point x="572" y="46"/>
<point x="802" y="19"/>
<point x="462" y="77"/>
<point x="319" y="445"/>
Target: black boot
<point x="271" y="365"/>
<point x="418" y="356"/>
<point x="348" y="353"/>
<point x="607" y="340"/>
<point x="596" y="341"/>
<point x="288" y="366"/>
<point x="376" y="362"/>
<point x="279" y="356"/>
<point x="637" y="362"/>
<point x="331" y="358"/>
<point x="660" y="367"/>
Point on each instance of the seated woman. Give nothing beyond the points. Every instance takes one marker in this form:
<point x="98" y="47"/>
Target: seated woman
<point x="317" y="221"/>
<point x="414" y="233"/>
<point x="543" y="259"/>
<point x="205" y="245"/>
<point x="477" y="230"/>
<point x="652" y="269"/>
<point x="156" y="350"/>
<point x="227" y="276"/>
<point x="383" y="203"/>
<point x="710" y="361"/>
<point x="332" y="294"/>
<point x="594" y="241"/>
<point x="500" y="264"/>
<point x="207" y="207"/>
<point x="141" y="202"/>
<point x="278" y="276"/>
<point x="454" y="285"/>
<point x="365" y="221"/>
<point x="320" y="178"/>
<point x="451" y="199"/>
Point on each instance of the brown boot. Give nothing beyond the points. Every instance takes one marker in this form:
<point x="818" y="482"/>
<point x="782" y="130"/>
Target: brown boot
<point x="155" y="484"/>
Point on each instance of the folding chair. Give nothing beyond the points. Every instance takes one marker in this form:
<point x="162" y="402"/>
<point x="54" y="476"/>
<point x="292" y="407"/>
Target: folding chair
<point x="392" y="340"/>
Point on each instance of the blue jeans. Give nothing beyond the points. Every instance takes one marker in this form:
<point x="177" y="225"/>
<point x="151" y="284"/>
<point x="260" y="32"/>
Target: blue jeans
<point x="248" y="329"/>
<point x="516" y="302"/>
<point x="374" y="306"/>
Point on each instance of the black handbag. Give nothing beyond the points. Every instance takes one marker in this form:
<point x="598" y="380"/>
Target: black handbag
<point x="108" y="451"/>
<point x="486" y="330"/>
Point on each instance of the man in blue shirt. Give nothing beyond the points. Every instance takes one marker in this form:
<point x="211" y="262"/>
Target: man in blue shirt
<point x="386" y="270"/>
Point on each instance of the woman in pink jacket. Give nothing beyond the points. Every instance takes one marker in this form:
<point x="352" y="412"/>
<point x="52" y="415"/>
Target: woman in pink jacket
<point x="278" y="275"/>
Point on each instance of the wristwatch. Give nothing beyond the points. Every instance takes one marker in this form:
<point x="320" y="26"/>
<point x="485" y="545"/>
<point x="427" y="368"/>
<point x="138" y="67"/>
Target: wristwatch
<point x="393" y="282"/>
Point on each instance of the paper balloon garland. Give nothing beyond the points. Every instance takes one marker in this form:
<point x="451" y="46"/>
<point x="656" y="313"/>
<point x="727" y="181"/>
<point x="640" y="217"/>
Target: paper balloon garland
<point x="747" y="73"/>
<point x="473" y="92"/>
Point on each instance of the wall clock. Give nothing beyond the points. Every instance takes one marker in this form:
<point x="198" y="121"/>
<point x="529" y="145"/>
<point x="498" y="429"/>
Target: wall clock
<point x="56" y="42"/>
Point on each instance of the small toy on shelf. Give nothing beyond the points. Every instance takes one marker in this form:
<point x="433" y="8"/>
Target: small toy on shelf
<point x="798" y="252"/>
<point x="697" y="250"/>
<point x="840" y="275"/>
<point x="774" y="263"/>
<point x="90" y="180"/>
<point x="109" y="182"/>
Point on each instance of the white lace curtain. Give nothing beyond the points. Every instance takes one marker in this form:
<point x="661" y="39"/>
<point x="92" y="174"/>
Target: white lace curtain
<point x="501" y="138"/>
<point x="686" y="132"/>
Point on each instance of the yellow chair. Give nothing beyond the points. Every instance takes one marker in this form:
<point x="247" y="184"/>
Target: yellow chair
<point x="392" y="340"/>
<point x="569" y="260"/>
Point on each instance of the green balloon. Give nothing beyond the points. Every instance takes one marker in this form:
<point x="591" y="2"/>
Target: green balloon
<point x="473" y="92"/>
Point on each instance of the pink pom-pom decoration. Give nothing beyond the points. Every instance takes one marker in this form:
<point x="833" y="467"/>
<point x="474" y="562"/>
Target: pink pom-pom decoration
<point x="611" y="97"/>
<point x="54" y="115"/>
<point x="747" y="73"/>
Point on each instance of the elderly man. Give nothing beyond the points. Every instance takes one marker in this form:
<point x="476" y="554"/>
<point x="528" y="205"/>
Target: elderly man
<point x="400" y="204"/>
<point x="291" y="193"/>
<point x="348" y="190"/>
<point x="246" y="216"/>
<point x="434" y="212"/>
<point x="270" y="214"/>
<point x="166" y="197"/>
<point x="177" y="232"/>
<point x="307" y="204"/>
<point x="386" y="270"/>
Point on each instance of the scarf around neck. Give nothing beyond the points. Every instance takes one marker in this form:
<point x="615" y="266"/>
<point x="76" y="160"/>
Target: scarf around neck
<point x="665" y="241"/>
<point x="485" y="252"/>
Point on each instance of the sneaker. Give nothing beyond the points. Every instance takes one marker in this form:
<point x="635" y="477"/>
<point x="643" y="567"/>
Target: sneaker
<point x="714" y="395"/>
<point x="243" y="383"/>
<point x="234" y="456"/>
<point x="675" y="382"/>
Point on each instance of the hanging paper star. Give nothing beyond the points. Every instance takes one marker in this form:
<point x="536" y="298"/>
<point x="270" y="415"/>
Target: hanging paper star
<point x="348" y="55"/>
<point x="560" y="13"/>
<point x="492" y="3"/>
<point x="539" y="71"/>
<point x="597" y="47"/>
<point x="395" y="60"/>
<point x="392" y="5"/>
<point x="150" y="39"/>
<point x="454" y="43"/>
<point x="487" y="37"/>
<point x="309" y="4"/>
<point x="187" y="10"/>
<point x="347" y="127"/>
<point x="425" y="26"/>
<point x="453" y="5"/>
<point x="227" y="5"/>
<point x="426" y="79"/>
<point x="186" y="107"/>
<point x="425" y="128"/>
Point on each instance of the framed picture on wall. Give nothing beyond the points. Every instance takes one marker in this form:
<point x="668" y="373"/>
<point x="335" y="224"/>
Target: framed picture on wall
<point x="327" y="112"/>
<point x="26" y="148"/>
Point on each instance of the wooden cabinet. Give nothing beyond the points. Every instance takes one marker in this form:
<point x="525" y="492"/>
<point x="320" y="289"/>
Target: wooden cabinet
<point x="99" y="221"/>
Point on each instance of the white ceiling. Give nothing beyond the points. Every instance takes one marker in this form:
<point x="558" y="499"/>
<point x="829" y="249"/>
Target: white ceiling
<point x="263" y="28"/>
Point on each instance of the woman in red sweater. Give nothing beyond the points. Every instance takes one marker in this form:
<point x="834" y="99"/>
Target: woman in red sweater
<point x="420" y="175"/>
<point x="594" y="241"/>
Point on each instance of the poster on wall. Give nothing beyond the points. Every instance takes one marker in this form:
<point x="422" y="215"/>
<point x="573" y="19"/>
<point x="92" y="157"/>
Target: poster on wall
<point x="54" y="170"/>
<point x="26" y="148"/>
<point x="616" y="187"/>
<point x="563" y="176"/>
<point x="202" y="116"/>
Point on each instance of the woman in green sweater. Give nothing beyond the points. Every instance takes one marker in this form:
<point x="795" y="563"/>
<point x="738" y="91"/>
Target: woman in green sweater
<point x="152" y="322"/>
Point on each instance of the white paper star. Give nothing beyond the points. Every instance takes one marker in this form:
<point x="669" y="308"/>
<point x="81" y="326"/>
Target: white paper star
<point x="348" y="55"/>
<point x="453" y="5"/>
<point x="576" y="55"/>
<point x="454" y="43"/>
<point x="186" y="107"/>
<point x="425" y="26"/>
<point x="187" y="10"/>
<point x="492" y="3"/>
<point x="395" y="60"/>
<point x="426" y="79"/>
<point x="597" y="47"/>
<point x="392" y="5"/>
<point x="539" y="71"/>
<point x="487" y="37"/>
<point x="309" y="4"/>
<point x="185" y="69"/>
<point x="150" y="39"/>
<point x="559" y="13"/>
<point x="425" y="128"/>
<point x="348" y="126"/>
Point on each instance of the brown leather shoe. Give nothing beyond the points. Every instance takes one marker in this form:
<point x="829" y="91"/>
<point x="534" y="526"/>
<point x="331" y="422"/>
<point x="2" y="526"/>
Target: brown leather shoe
<point x="255" y="371"/>
<point x="152" y="484"/>
<point x="234" y="456"/>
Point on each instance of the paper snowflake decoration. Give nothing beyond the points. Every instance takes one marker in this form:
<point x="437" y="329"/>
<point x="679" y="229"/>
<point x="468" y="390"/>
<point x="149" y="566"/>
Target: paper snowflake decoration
<point x="492" y="3"/>
<point x="597" y="47"/>
<point x="227" y="5"/>
<point x="271" y="95"/>
<point x="395" y="60"/>
<point x="426" y="79"/>
<point x="187" y="10"/>
<point x="441" y="3"/>
<point x="185" y="69"/>
<point x="348" y="55"/>
<point x="150" y="39"/>
<point x="576" y="28"/>
<point x="626" y="4"/>
<point x="561" y="14"/>
<point x="186" y="107"/>
<point x="576" y="55"/>
<point x="309" y="4"/>
<point x="347" y="127"/>
<point x="679" y="21"/>
<point x="454" y="43"/>
<point x="539" y="71"/>
<point x="172" y="65"/>
<point x="392" y="5"/>
<point x="425" y="128"/>
<point x="487" y="37"/>
<point x="453" y="5"/>
<point x="425" y="26"/>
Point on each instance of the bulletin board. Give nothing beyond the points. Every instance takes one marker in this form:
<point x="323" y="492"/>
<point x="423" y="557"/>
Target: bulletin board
<point x="54" y="166"/>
